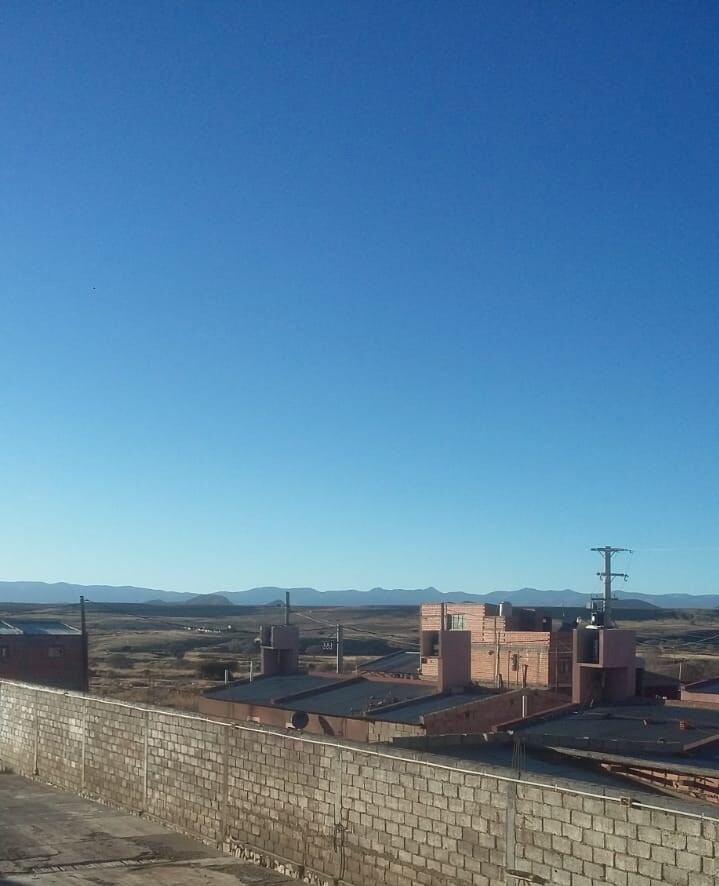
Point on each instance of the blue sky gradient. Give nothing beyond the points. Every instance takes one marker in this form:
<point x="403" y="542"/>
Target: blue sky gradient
<point x="351" y="294"/>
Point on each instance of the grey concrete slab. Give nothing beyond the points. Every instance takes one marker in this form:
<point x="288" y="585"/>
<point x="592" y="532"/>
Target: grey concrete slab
<point x="54" y="838"/>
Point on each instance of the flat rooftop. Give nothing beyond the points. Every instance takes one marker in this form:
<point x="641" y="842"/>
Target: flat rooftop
<point x="651" y="725"/>
<point x="350" y="697"/>
<point x="359" y="697"/>
<point x="53" y="838"/>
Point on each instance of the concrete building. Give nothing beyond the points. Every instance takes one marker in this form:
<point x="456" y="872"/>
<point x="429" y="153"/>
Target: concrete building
<point x="45" y="652"/>
<point x="506" y="642"/>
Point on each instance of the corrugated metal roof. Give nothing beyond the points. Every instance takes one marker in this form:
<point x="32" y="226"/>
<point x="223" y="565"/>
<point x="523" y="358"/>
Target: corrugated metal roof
<point x="396" y="663"/>
<point x="35" y="627"/>
<point x="5" y="628"/>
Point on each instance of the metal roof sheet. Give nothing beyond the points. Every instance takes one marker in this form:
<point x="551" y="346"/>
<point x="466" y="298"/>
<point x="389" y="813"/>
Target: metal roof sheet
<point x="36" y="627"/>
<point x="708" y="686"/>
<point x="358" y="698"/>
<point x="263" y="690"/>
<point x="395" y="663"/>
<point x="411" y="713"/>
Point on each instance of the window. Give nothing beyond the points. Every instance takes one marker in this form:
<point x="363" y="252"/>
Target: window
<point x="56" y="652"/>
<point x="515" y="661"/>
<point x="4" y="652"/>
<point x="564" y="666"/>
<point x="456" y="622"/>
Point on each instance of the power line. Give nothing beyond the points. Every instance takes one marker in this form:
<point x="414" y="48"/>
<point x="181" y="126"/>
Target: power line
<point x="392" y="638"/>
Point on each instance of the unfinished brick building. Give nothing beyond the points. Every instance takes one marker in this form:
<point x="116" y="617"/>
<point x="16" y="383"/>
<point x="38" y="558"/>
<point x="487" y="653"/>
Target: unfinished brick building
<point x="504" y="641"/>
<point x="50" y="653"/>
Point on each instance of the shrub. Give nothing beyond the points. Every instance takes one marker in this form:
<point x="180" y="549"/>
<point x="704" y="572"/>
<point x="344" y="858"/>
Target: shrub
<point x="118" y="660"/>
<point x="215" y="670"/>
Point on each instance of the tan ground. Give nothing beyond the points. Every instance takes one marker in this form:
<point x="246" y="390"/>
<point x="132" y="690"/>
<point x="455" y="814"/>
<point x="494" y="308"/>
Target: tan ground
<point x="157" y="655"/>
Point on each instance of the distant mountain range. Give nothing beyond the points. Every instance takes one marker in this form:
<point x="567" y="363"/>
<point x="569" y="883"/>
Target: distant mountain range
<point x="41" y="592"/>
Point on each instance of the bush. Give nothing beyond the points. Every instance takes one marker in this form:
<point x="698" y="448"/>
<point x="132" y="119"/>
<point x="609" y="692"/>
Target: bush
<point x="118" y="660"/>
<point x="215" y="670"/>
<point x="315" y="649"/>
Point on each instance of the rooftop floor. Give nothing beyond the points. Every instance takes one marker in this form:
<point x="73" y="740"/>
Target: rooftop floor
<point x="52" y="838"/>
<point x="649" y="724"/>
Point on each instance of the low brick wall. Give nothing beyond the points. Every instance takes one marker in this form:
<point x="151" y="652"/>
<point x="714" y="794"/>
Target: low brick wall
<point x="334" y="812"/>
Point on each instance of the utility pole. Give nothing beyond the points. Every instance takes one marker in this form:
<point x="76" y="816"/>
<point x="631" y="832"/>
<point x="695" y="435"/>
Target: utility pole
<point x="607" y="552"/>
<point x="340" y="648"/>
<point x="287" y="607"/>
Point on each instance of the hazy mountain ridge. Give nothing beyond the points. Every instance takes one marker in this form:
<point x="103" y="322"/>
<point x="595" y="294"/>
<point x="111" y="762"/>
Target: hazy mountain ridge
<point x="63" y="592"/>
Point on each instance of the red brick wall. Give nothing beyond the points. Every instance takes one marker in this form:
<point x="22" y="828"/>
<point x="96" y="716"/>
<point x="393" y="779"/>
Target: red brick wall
<point x="485" y="714"/>
<point x="319" y="724"/>
<point x="699" y="697"/>
<point x="499" y="649"/>
<point x="28" y="659"/>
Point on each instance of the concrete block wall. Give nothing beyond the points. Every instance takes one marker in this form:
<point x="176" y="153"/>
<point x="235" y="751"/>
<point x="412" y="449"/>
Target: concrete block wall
<point x="382" y="731"/>
<point x="337" y="812"/>
<point x="115" y="744"/>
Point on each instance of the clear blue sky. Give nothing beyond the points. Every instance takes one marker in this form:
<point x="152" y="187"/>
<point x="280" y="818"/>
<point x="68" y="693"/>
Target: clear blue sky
<point x="348" y="294"/>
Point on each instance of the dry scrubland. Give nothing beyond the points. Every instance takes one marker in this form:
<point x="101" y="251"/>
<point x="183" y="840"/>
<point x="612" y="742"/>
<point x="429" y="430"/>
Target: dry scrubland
<point x="689" y="638"/>
<point x="167" y="654"/>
